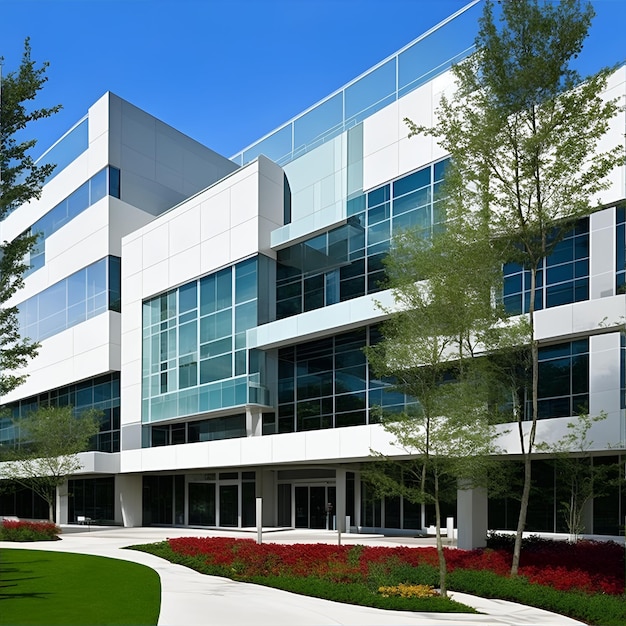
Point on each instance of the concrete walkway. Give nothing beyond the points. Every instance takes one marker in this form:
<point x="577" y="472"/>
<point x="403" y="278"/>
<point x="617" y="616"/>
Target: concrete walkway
<point x="192" y="599"/>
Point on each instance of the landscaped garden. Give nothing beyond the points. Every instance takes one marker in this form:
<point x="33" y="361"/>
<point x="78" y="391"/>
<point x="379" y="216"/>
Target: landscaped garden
<point x="584" y="580"/>
<point x="58" y="588"/>
<point x="18" y="530"/>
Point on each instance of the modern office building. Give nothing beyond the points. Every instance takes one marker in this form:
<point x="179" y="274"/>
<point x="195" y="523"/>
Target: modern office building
<point x="215" y="311"/>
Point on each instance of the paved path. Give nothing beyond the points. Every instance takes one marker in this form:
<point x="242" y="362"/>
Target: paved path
<point x="192" y="599"/>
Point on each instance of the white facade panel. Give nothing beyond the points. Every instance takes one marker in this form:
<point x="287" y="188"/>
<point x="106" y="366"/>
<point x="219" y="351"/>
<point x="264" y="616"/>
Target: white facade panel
<point x="99" y="463"/>
<point x="340" y="317"/>
<point x="78" y="353"/>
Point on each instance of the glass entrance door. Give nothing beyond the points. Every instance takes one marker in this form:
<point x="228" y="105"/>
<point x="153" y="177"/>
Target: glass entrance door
<point x="311" y="502"/>
<point x="317" y="510"/>
<point x="202" y="504"/>
<point x="229" y="505"/>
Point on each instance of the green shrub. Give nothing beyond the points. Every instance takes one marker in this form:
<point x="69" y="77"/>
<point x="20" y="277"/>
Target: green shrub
<point x="394" y="572"/>
<point x="600" y="609"/>
<point x="360" y="594"/>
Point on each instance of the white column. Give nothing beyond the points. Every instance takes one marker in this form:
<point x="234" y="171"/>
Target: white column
<point x="128" y="499"/>
<point x="471" y="518"/>
<point x="357" y="500"/>
<point x="254" y="423"/>
<point x="62" y="503"/>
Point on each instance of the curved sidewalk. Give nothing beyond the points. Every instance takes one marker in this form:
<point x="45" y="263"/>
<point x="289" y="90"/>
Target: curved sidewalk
<point x="192" y="599"/>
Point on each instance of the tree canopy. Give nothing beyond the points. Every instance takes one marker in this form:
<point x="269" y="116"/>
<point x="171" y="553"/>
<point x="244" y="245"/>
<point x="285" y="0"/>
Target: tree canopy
<point x="526" y="135"/>
<point x="21" y="180"/>
<point x="46" y="453"/>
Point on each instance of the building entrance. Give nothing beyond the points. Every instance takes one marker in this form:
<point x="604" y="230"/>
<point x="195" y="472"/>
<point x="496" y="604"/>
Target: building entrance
<point x="312" y="506"/>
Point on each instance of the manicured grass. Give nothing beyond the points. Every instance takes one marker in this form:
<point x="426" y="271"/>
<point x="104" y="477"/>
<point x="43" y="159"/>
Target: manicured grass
<point x="59" y="588"/>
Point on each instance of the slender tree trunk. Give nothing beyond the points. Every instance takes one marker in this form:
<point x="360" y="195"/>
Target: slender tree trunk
<point x="527" y="449"/>
<point x="521" y="522"/>
<point x="442" y="557"/>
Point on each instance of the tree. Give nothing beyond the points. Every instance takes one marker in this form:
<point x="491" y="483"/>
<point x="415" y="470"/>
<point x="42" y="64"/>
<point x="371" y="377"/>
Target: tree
<point x="429" y="350"/>
<point x="47" y="451"/>
<point x="523" y="131"/>
<point x="21" y="180"/>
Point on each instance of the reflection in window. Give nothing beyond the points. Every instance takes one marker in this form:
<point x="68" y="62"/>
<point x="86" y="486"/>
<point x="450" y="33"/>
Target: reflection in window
<point x="214" y="429"/>
<point x="195" y="357"/>
<point x="620" y="256"/>
<point x="81" y="296"/>
<point x="105" y="182"/>
<point x="563" y="379"/>
<point x="562" y="278"/>
<point x="327" y="384"/>
<point x="101" y="393"/>
<point x="347" y="262"/>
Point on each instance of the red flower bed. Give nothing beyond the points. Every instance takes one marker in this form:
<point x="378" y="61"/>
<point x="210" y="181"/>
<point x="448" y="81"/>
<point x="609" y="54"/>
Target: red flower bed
<point x="28" y="531"/>
<point x="587" y="566"/>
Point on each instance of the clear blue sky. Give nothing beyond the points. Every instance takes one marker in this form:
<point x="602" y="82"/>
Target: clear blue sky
<point x="226" y="72"/>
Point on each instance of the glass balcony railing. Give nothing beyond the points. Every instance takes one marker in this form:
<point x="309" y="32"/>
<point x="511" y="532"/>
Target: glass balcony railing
<point x="429" y="55"/>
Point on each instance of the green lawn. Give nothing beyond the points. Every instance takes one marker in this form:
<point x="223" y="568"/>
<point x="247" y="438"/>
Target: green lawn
<point x="59" y="588"/>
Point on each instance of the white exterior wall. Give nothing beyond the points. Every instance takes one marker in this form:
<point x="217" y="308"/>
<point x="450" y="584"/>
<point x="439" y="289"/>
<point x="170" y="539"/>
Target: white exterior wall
<point x="239" y="216"/>
<point x="321" y="446"/>
<point x="186" y="243"/>
<point x="217" y="227"/>
<point x="159" y="167"/>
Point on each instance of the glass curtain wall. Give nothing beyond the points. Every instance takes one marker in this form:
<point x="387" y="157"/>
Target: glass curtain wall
<point x="563" y="276"/>
<point x="105" y="183"/>
<point x="101" y="394"/>
<point x="195" y="357"/>
<point x="85" y="294"/>
<point x="347" y="262"/>
<point x="327" y="384"/>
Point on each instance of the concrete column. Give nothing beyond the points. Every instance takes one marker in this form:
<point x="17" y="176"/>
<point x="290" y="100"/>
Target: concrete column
<point x="254" y="423"/>
<point x="128" y="499"/>
<point x="62" y="504"/>
<point x="472" y="518"/>
<point x="357" y="500"/>
<point x="340" y="491"/>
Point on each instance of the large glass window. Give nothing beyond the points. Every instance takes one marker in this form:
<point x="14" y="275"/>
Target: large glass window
<point x="347" y="262"/>
<point x="66" y="149"/>
<point x="81" y="296"/>
<point x="101" y="394"/>
<point x="564" y="379"/>
<point x="327" y="384"/>
<point x="562" y="278"/>
<point x="93" y="498"/>
<point x="195" y="357"/>
<point x="227" y="427"/>
<point x="105" y="182"/>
